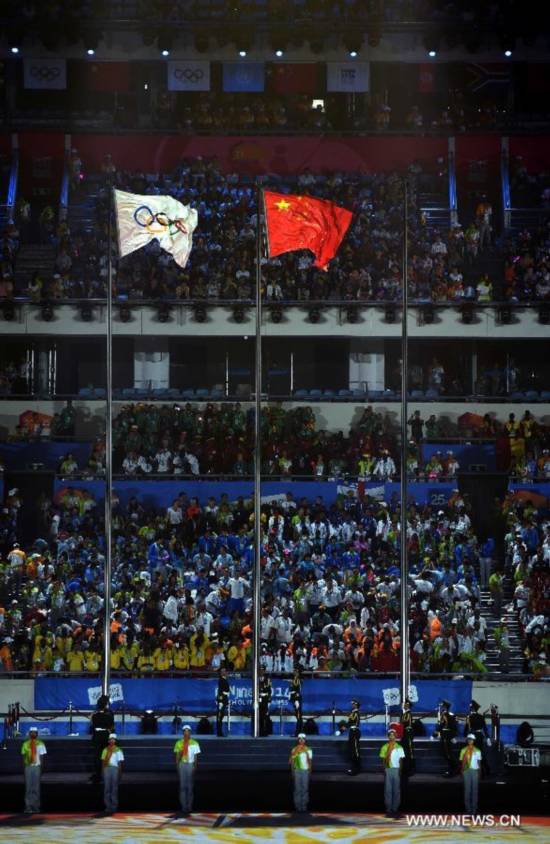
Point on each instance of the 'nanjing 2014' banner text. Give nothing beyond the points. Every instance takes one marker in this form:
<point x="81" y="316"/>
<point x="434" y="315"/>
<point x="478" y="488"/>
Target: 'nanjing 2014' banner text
<point x="198" y="695"/>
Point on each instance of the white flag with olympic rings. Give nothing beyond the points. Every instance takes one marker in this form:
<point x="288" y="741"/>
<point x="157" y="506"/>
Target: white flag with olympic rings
<point x="141" y="219"/>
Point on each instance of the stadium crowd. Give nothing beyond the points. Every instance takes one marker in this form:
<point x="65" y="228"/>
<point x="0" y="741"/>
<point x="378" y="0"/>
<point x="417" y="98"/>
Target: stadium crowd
<point x="527" y="267"/>
<point x="443" y="263"/>
<point x="220" y="440"/>
<point x="221" y="265"/>
<point x="527" y="558"/>
<point x="182" y="586"/>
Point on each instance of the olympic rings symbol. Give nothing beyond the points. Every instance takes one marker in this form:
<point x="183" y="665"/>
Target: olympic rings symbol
<point x="45" y="74"/>
<point x="157" y="223"/>
<point x="189" y="74"/>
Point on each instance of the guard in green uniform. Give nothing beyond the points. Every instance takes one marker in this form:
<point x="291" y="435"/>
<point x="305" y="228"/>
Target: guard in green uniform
<point x="470" y="764"/>
<point x="186" y="751"/>
<point x="301" y="757"/>
<point x="33" y="751"/>
<point x="392" y="756"/>
<point x="112" y="761"/>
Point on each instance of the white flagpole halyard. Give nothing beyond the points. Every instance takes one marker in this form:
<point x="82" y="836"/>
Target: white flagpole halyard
<point x="404" y="605"/>
<point x="107" y="572"/>
<point x="257" y="572"/>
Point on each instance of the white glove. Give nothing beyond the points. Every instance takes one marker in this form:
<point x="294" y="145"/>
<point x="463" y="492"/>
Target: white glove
<point x="453" y="741"/>
<point x="337" y="733"/>
<point x="432" y="738"/>
<point x="489" y="742"/>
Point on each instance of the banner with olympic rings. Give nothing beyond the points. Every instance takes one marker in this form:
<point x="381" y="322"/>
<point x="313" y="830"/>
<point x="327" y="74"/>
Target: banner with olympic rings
<point x="188" y="75"/>
<point x="142" y="219"/>
<point x="45" y="73"/>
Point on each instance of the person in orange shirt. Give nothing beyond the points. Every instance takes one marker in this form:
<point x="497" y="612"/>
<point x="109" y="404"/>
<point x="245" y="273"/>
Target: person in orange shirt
<point x="6" y="660"/>
<point x="353" y="632"/>
<point x="32" y="566"/>
<point x="435" y="627"/>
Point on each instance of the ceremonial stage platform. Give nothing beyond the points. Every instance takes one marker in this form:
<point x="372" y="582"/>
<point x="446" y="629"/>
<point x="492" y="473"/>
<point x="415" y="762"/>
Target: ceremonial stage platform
<point x="245" y="774"/>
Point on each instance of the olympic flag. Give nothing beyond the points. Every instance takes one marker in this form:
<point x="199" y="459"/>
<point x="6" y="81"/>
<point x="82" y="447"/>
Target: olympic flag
<point x="142" y="219"/>
<point x="188" y="75"/>
<point x="45" y="74"/>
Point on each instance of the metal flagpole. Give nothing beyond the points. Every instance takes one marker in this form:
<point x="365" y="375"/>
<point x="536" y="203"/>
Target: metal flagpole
<point x="404" y="605"/>
<point x="105" y="682"/>
<point x="256" y="574"/>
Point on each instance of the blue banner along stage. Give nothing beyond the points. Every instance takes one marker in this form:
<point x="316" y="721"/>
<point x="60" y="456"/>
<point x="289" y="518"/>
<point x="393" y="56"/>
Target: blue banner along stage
<point x="198" y="695"/>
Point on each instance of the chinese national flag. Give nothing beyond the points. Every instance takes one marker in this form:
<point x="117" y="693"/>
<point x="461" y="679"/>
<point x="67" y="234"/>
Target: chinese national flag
<point x="302" y="222"/>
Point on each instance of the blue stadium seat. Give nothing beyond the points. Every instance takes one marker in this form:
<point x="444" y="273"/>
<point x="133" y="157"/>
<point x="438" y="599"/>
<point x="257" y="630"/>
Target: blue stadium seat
<point x="100" y="392"/>
<point x="315" y="394"/>
<point x="517" y="396"/>
<point x="344" y="394"/>
<point x="202" y="393"/>
<point x="129" y="393"/>
<point x="357" y="393"/>
<point x="188" y="394"/>
<point x="417" y="394"/>
<point x="329" y="394"/>
<point x="432" y="394"/>
<point x="301" y="394"/>
<point x="545" y="395"/>
<point x="172" y="392"/>
<point x="86" y="393"/>
<point x="532" y="395"/>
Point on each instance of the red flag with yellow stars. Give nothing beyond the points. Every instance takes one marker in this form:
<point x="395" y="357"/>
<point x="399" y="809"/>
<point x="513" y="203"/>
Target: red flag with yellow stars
<point x="303" y="222"/>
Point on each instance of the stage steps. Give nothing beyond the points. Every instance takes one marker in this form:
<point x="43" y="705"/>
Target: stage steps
<point x="155" y="754"/>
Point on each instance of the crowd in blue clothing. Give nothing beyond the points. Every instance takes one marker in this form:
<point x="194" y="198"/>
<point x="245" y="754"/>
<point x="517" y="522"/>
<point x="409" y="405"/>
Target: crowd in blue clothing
<point x="182" y="584"/>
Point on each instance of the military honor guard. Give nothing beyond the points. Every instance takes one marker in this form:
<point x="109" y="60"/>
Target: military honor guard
<point x="296" y="698"/>
<point x="446" y="730"/>
<point x="265" y="699"/>
<point x="475" y="724"/>
<point x="408" y="737"/>
<point x="222" y="701"/>
<point x="354" y="736"/>
<point x="102" y="724"/>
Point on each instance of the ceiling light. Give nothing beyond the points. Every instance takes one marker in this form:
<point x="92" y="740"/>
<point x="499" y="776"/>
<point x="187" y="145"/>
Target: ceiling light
<point x="242" y="54"/>
<point x="507" y="53"/>
<point x="15" y="50"/>
<point x="353" y="54"/>
<point x="278" y="53"/>
<point x="90" y="52"/>
<point x="165" y="42"/>
<point x="432" y="54"/>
